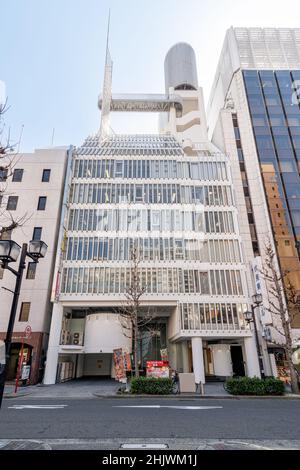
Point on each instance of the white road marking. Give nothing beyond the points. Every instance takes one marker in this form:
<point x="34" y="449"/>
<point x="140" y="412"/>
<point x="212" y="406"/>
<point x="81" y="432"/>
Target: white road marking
<point x="38" y="407"/>
<point x="177" y="407"/>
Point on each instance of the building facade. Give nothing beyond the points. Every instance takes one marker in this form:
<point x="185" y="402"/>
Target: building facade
<point x="171" y="196"/>
<point x="32" y="196"/>
<point x="254" y="116"/>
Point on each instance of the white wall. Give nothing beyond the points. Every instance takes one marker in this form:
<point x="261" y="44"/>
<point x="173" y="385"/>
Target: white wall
<point x="104" y="333"/>
<point x="222" y="359"/>
<point x="97" y="364"/>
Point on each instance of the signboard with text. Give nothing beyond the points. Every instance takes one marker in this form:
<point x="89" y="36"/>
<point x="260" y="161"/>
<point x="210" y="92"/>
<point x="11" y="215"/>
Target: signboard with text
<point x="158" y="369"/>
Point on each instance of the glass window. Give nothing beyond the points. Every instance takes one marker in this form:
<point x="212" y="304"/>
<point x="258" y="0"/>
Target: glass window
<point x="31" y="269"/>
<point x="24" y="312"/>
<point x="288" y="166"/>
<point x="3" y="174"/>
<point x="17" y="175"/>
<point x="37" y="233"/>
<point x="46" y="176"/>
<point x="42" y="203"/>
<point x="12" y="203"/>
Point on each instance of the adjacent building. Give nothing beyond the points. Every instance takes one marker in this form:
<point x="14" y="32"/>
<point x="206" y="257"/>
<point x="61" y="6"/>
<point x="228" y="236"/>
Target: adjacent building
<point x="172" y="196"/>
<point x="31" y="196"/>
<point x="254" y="117"/>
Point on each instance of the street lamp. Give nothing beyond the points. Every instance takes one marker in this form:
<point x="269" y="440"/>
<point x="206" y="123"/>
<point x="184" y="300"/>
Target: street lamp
<point x="9" y="253"/>
<point x="250" y="317"/>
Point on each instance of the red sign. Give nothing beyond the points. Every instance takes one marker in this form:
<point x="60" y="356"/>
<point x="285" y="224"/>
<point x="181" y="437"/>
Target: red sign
<point x="157" y="364"/>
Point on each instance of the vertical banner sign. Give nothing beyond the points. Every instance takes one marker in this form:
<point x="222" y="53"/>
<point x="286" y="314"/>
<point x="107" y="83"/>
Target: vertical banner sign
<point x="127" y="361"/>
<point x="119" y="364"/>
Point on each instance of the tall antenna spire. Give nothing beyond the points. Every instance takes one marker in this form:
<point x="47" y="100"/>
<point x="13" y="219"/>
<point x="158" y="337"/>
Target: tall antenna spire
<point x="106" y="93"/>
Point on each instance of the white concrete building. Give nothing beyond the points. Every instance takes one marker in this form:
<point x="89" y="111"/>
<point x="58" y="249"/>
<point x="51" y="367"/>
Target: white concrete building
<point x="33" y="196"/>
<point x="172" y="196"/>
<point x="254" y="117"/>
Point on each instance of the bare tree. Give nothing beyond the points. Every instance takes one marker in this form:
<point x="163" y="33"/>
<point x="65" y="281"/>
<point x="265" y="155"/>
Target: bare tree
<point x="135" y="319"/>
<point x="8" y="160"/>
<point x="284" y="305"/>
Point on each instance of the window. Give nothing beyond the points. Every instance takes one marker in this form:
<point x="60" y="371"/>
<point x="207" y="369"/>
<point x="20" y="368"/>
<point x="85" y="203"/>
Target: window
<point x="31" y="269"/>
<point x="42" y="203"/>
<point x="12" y="203"/>
<point x="3" y="174"/>
<point x="46" y="176"/>
<point x="18" y="175"/>
<point x="24" y="312"/>
<point x="37" y="233"/>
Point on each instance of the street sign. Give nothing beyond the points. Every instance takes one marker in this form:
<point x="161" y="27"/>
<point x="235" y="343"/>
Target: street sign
<point x="25" y="372"/>
<point x="27" y="332"/>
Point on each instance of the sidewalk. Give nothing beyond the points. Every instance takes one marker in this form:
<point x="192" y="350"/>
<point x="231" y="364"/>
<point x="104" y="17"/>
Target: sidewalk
<point x="108" y="388"/>
<point x="80" y="388"/>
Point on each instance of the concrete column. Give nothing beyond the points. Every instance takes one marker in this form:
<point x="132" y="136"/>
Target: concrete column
<point x="185" y="357"/>
<point x="112" y="368"/>
<point x="273" y="365"/>
<point x="80" y="362"/>
<point x="198" y="363"/>
<point x="252" y="364"/>
<point x="53" y="346"/>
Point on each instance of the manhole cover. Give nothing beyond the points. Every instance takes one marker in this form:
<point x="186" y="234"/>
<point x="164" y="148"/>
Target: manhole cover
<point x="144" y="446"/>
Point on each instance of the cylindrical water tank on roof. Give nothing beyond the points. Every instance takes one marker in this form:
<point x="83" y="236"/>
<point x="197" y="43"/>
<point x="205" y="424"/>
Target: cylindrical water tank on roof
<point x="180" y="68"/>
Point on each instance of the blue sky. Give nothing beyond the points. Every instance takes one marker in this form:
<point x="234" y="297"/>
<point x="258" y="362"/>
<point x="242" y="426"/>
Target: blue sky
<point x="52" y="56"/>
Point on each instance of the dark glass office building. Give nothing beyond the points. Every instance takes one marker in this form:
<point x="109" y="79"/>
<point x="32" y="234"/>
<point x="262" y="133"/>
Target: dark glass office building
<point x="275" y="113"/>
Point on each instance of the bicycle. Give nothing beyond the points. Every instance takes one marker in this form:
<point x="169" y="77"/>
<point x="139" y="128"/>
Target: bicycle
<point x="175" y="385"/>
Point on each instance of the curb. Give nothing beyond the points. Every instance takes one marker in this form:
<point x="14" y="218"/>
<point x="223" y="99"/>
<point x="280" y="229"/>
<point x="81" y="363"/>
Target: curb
<point x="203" y="397"/>
<point x="12" y="395"/>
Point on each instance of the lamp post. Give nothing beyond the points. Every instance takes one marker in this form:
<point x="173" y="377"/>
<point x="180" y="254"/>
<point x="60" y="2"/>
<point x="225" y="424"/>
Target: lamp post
<point x="9" y="252"/>
<point x="297" y="245"/>
<point x="250" y="317"/>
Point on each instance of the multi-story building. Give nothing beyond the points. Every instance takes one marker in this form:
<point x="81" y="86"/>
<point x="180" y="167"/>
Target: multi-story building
<point x="254" y="116"/>
<point x="171" y="195"/>
<point x="32" y="197"/>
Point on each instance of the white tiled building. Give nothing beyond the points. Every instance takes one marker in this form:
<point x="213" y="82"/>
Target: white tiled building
<point x="170" y="194"/>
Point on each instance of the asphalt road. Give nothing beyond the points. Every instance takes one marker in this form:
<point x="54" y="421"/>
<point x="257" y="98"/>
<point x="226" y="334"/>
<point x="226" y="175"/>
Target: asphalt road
<point x="108" y="418"/>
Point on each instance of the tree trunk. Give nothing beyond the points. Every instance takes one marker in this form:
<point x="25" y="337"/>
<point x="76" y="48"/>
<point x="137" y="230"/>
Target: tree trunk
<point x="136" y="365"/>
<point x="294" y="377"/>
<point x="286" y="324"/>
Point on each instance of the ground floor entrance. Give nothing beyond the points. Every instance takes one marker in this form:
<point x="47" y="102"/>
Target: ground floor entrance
<point x="83" y="343"/>
<point x="237" y="361"/>
<point x="20" y="358"/>
<point x="75" y="366"/>
<point x="217" y="359"/>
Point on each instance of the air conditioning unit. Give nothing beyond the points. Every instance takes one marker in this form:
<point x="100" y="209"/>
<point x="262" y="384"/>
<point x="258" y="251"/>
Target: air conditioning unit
<point x="77" y="338"/>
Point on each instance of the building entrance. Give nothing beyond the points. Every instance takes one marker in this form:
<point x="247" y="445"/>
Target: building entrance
<point x="238" y="367"/>
<point x="14" y="359"/>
